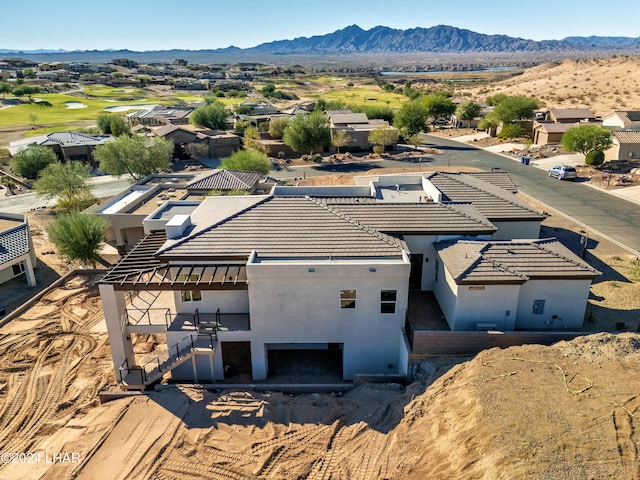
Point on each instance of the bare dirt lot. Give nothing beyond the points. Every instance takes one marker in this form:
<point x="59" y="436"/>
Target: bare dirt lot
<point x="562" y="412"/>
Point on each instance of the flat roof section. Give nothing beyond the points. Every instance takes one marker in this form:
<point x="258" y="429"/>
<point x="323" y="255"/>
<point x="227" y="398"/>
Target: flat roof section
<point x="128" y="199"/>
<point x="7" y="223"/>
<point x="151" y="204"/>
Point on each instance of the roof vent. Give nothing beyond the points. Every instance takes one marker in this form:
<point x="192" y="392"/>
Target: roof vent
<point x="177" y="226"/>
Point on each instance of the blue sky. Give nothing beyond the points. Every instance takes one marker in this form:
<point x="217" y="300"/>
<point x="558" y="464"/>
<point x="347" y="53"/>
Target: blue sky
<point x="202" y="24"/>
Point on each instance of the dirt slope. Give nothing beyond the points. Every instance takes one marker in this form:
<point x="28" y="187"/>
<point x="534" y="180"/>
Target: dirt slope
<point x="602" y="85"/>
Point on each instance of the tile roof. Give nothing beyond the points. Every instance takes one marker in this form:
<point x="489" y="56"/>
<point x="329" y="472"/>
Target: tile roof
<point x="228" y="180"/>
<point x="481" y="262"/>
<point x="565" y="113"/>
<point x="498" y="179"/>
<point x="348" y="118"/>
<point x="282" y="227"/>
<point x="14" y="242"/>
<point x="493" y="202"/>
<point x="554" y="127"/>
<point x="414" y="218"/>
<point x="630" y="118"/>
<point x="627" y="136"/>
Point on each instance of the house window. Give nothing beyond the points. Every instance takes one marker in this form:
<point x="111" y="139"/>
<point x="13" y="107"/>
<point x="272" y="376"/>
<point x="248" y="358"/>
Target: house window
<point x="388" y="301"/>
<point x="538" y="307"/>
<point x="347" y="299"/>
<point x="18" y="268"/>
<point x="190" y="295"/>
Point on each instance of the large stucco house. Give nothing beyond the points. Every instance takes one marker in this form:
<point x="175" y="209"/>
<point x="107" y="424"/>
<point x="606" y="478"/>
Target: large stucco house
<point x="17" y="255"/>
<point x="232" y="281"/>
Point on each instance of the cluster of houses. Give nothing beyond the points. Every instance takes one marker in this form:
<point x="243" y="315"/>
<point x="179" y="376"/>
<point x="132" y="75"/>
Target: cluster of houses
<point x="234" y="281"/>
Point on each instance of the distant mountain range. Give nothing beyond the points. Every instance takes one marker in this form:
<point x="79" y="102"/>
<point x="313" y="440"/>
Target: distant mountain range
<point x="354" y="40"/>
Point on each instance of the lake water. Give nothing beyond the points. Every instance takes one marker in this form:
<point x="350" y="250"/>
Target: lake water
<point x="450" y="72"/>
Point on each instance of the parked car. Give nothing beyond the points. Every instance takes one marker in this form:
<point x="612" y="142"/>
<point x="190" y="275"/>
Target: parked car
<point x="563" y="172"/>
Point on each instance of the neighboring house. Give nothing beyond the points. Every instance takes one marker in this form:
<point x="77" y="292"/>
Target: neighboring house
<point x="68" y="146"/>
<point x="459" y="123"/>
<point x="224" y="181"/>
<point x="233" y="280"/>
<point x="622" y="120"/>
<point x="570" y="115"/>
<point x="219" y="143"/>
<point x="626" y="145"/>
<point x="550" y="133"/>
<point x="159" y="115"/>
<point x="127" y="211"/>
<point x="540" y="285"/>
<point x="356" y="125"/>
<point x="17" y="255"/>
<point x="259" y="108"/>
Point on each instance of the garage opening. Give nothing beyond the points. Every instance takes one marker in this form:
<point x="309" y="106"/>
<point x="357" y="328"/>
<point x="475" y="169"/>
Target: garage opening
<point x="236" y="358"/>
<point x="305" y="363"/>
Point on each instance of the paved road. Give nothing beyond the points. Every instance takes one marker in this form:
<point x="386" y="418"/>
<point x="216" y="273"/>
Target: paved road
<point x="104" y="186"/>
<point x="614" y="217"/>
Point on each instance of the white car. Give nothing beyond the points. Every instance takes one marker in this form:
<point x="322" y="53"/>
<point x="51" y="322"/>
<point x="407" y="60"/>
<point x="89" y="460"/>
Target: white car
<point x="563" y="172"/>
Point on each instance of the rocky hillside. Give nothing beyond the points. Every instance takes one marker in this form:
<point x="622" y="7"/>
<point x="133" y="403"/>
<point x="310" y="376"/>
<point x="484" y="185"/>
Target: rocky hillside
<point x="442" y="38"/>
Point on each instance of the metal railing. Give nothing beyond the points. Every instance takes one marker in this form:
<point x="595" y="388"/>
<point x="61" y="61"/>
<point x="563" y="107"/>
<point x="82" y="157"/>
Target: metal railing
<point x="147" y="314"/>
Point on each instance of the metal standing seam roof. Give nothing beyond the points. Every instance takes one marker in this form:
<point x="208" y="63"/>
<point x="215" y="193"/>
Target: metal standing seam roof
<point x="415" y="218"/>
<point x="481" y="262"/>
<point x="14" y="242"/>
<point x="74" y="138"/>
<point x="285" y="227"/>
<point x="493" y="202"/>
<point x="226" y="180"/>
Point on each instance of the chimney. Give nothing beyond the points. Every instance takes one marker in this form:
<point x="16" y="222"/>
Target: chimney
<point x="178" y="224"/>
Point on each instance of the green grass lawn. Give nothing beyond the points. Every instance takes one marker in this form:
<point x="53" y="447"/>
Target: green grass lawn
<point x="364" y="96"/>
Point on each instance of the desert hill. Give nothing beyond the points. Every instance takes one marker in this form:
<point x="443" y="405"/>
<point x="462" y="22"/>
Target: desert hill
<point x="600" y="84"/>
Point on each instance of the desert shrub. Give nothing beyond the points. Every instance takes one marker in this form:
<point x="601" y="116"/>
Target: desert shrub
<point x="28" y="163"/>
<point x="511" y="130"/>
<point x="379" y="149"/>
<point x="594" y="158"/>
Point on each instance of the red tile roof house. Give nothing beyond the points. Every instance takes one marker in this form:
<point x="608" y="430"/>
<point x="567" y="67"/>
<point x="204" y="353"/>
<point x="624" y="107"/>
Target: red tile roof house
<point x="236" y="280"/>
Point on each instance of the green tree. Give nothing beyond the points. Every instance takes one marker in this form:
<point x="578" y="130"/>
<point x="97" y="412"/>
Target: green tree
<point x="213" y="116"/>
<point x="248" y="160"/>
<point x="414" y="140"/>
<point x="69" y="182"/>
<point x="277" y="126"/>
<point x="594" y="158"/>
<point x="384" y="137"/>
<point x="515" y="108"/>
<point x="382" y="113"/>
<point x="585" y="138"/>
<point x="438" y="106"/>
<point x="467" y="111"/>
<point x="112" y="124"/>
<point x="306" y="132"/>
<point x="5" y="87"/>
<point x="136" y="156"/>
<point x="268" y="90"/>
<point x="252" y="139"/>
<point x="340" y="138"/>
<point x="26" y="91"/>
<point x="494" y="100"/>
<point x="30" y="161"/>
<point x="78" y="236"/>
<point x="489" y="122"/>
<point x="29" y="73"/>
<point x="411" y="118"/>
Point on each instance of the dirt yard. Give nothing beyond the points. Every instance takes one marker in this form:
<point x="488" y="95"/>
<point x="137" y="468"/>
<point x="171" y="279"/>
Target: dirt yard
<point x="562" y="412"/>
